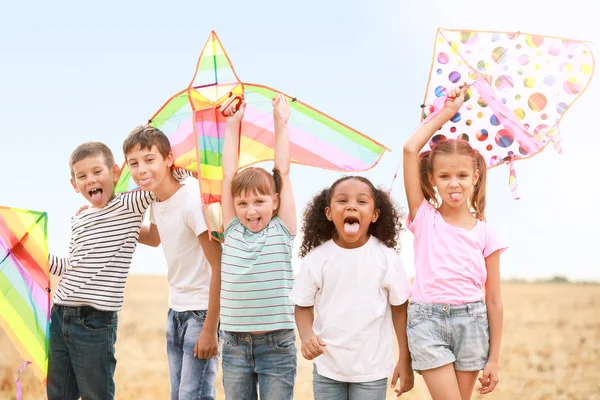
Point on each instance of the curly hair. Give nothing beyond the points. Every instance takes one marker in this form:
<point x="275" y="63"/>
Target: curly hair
<point x="317" y="229"/>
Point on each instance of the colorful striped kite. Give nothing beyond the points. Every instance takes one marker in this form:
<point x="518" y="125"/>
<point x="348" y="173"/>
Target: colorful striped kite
<point x="195" y="127"/>
<point x="521" y="86"/>
<point x="25" y="285"/>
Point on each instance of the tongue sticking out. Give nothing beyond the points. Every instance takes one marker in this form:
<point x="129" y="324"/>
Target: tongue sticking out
<point x="351" y="228"/>
<point x="455" y="196"/>
<point x="97" y="196"/>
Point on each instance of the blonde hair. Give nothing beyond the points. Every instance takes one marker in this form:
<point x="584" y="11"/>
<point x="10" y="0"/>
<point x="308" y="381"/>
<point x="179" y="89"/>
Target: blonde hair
<point x="91" y="149"/>
<point x="454" y="146"/>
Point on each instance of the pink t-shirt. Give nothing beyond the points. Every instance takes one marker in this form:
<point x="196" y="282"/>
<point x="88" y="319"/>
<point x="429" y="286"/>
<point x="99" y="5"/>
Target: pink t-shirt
<point x="449" y="260"/>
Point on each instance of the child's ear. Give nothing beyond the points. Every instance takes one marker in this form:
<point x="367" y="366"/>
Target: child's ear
<point x="116" y="171"/>
<point x="170" y="159"/>
<point x="276" y="201"/>
<point x="476" y="177"/>
<point x="375" y="216"/>
<point x="328" y="213"/>
<point x="74" y="185"/>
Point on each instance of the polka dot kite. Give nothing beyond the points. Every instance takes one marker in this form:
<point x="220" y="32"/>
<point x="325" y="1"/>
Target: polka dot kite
<point x="521" y="85"/>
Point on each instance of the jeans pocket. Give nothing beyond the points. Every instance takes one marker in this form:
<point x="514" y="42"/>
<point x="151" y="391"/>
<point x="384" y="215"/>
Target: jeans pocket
<point x="97" y="321"/>
<point x="286" y="343"/>
<point x="199" y="314"/>
<point x="415" y="316"/>
<point x="480" y="316"/>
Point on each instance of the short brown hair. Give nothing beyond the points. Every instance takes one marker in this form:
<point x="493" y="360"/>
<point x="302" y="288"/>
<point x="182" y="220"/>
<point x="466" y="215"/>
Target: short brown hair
<point x="91" y="149"/>
<point x="146" y="136"/>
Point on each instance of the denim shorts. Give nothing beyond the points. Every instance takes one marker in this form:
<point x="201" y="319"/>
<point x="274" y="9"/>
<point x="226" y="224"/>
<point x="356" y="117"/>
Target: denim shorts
<point x="440" y="334"/>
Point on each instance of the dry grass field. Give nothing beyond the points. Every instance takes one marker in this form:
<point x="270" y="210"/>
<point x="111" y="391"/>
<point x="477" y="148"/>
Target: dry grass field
<point x="551" y="346"/>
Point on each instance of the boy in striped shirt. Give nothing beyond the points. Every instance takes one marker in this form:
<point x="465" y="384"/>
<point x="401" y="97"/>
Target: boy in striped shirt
<point x="83" y="328"/>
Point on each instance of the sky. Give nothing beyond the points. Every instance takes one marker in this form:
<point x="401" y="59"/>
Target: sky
<point x="73" y="72"/>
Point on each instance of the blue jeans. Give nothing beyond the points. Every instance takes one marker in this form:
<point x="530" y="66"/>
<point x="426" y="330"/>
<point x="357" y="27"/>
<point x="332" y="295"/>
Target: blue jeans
<point x="329" y="389"/>
<point x="191" y="378"/>
<point x="81" y="358"/>
<point x="265" y="360"/>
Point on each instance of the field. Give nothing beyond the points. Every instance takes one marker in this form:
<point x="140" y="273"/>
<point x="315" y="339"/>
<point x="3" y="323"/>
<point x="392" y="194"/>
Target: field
<point x="551" y="346"/>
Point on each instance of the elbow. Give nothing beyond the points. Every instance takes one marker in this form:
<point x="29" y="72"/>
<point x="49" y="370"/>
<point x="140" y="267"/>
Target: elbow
<point x="494" y="302"/>
<point x="410" y="149"/>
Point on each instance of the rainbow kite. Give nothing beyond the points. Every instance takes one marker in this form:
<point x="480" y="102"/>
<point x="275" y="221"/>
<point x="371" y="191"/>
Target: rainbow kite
<point x="25" y="285"/>
<point x="521" y="85"/>
<point x="195" y="127"/>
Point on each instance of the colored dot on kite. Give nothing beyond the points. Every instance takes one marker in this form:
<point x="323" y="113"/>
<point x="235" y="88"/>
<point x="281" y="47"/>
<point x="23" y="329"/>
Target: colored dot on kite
<point x="518" y="97"/>
<point x="529" y="82"/>
<point x="504" y="82"/>
<point x="522" y="151"/>
<point x="504" y="138"/>
<point x="481" y="135"/>
<point x="455" y="118"/>
<point x="512" y="36"/>
<point x="520" y="113"/>
<point x="494" y="120"/>
<point x="550" y="80"/>
<point x="537" y="102"/>
<point x="468" y="94"/>
<point x="469" y="107"/>
<point x="454" y="76"/>
<point x="561" y="107"/>
<point x="453" y="129"/>
<point x="481" y="102"/>
<point x="540" y="130"/>
<point x="443" y="58"/>
<point x="572" y="86"/>
<point x="566" y="67"/>
<point x="495" y="160"/>
<point x="523" y="60"/>
<point x="440" y="91"/>
<point x="437" y="138"/>
<point x="554" y="51"/>
<point x="479" y="114"/>
<point x="439" y="71"/>
<point x="544" y="117"/>
<point x="489" y="147"/>
<point x="468" y="37"/>
<point x="472" y="75"/>
<point x="482" y="66"/>
<point x="468" y="122"/>
<point x="586" y="69"/>
<point x="518" y="46"/>
<point x="505" y="68"/>
<point x="520" y="71"/>
<point x="503" y="100"/>
<point x="570" y="56"/>
<point x="495" y="37"/>
<point x="499" y="55"/>
<point x="536" y="67"/>
<point x="464" y="137"/>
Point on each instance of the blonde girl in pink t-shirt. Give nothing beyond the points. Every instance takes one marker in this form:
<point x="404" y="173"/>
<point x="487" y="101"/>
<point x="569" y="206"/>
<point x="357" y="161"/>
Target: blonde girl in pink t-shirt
<point x="452" y="333"/>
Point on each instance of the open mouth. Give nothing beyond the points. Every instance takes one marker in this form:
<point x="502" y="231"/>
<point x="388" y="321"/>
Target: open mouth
<point x="253" y="223"/>
<point x="351" y="225"/>
<point x="96" y="195"/>
<point x="455" y="196"/>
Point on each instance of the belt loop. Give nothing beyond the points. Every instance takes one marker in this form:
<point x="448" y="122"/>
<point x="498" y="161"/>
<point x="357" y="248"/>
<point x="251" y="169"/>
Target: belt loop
<point x="270" y="339"/>
<point x="429" y="310"/>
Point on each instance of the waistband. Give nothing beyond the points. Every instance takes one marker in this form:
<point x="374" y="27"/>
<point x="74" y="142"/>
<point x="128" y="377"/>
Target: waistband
<point x="261" y="338"/>
<point x="446" y="309"/>
<point x="79" y="310"/>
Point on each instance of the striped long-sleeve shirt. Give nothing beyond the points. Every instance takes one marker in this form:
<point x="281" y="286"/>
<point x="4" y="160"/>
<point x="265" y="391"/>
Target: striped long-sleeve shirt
<point x="256" y="278"/>
<point x="100" y="251"/>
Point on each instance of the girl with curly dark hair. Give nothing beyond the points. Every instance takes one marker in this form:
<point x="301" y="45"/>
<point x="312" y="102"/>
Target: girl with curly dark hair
<point x="354" y="278"/>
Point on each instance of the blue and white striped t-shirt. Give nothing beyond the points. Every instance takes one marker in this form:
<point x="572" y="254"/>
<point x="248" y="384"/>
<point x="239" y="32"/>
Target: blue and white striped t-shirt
<point x="257" y="277"/>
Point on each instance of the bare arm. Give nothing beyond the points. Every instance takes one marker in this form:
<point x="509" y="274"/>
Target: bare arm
<point x="230" y="159"/>
<point x="414" y="144"/>
<point x="312" y="345"/>
<point x="149" y="235"/>
<point x="287" y="207"/>
<point x="403" y="369"/>
<point x="495" y="311"/>
<point x="207" y="345"/>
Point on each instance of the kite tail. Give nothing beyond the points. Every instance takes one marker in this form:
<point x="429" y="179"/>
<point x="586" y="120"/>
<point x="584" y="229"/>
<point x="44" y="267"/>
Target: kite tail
<point x="512" y="180"/>
<point x="18" y="394"/>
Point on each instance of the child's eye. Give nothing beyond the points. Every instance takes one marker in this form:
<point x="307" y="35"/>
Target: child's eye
<point x="259" y="201"/>
<point x="362" y="202"/>
<point x="133" y="163"/>
<point x="342" y="201"/>
<point x="149" y="160"/>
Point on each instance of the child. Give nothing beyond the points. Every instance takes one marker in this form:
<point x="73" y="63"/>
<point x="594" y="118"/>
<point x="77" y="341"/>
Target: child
<point x="456" y="255"/>
<point x="83" y="328"/>
<point x="257" y="317"/>
<point x="356" y="281"/>
<point x="193" y="261"/>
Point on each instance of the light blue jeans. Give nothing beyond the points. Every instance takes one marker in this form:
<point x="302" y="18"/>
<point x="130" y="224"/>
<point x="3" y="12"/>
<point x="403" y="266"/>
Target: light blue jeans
<point x="330" y="389"/>
<point x="191" y="378"/>
<point x="265" y="360"/>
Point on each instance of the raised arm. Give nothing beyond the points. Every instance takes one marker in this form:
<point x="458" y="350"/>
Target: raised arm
<point x="414" y="144"/>
<point x="287" y="205"/>
<point x="230" y="159"/>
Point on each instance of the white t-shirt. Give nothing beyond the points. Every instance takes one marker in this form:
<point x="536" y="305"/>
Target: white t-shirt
<point x="352" y="290"/>
<point x="180" y="219"/>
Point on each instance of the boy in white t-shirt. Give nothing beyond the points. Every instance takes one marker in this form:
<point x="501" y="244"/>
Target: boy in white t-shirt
<point x="194" y="263"/>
